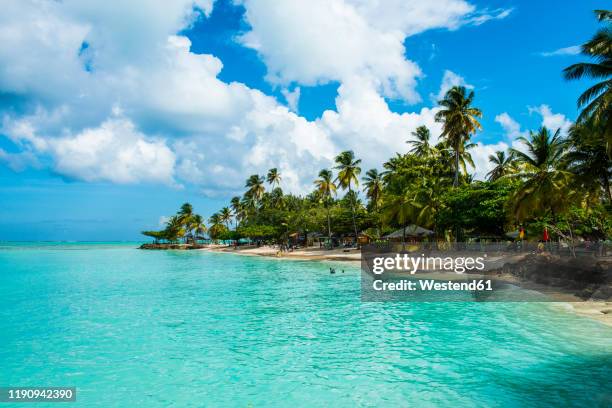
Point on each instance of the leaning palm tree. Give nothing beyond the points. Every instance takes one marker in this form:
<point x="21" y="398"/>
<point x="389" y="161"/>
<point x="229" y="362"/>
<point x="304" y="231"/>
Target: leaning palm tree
<point x="421" y="146"/>
<point x="596" y="102"/>
<point x="373" y="183"/>
<point x="502" y="165"/>
<point x="460" y="120"/>
<point x="545" y="182"/>
<point x="326" y="188"/>
<point x="255" y="185"/>
<point x="273" y="178"/>
<point x="225" y="216"/>
<point x="237" y="209"/>
<point x="348" y="171"/>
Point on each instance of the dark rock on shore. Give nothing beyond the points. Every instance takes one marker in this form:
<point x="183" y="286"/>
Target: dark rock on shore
<point x="585" y="277"/>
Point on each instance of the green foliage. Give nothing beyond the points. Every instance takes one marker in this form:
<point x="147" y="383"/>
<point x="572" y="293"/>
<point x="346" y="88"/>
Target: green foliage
<point x="217" y="231"/>
<point x="477" y="209"/>
<point x="258" y="232"/>
<point x="184" y="224"/>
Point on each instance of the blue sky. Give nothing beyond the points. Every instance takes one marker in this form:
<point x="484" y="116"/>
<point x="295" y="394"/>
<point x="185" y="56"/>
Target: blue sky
<point x="114" y="115"/>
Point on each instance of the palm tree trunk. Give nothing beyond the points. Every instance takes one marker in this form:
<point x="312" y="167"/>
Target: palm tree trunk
<point x="353" y="213"/>
<point x="328" y="227"/>
<point x="404" y="235"/>
<point x="456" y="181"/>
<point x="606" y="186"/>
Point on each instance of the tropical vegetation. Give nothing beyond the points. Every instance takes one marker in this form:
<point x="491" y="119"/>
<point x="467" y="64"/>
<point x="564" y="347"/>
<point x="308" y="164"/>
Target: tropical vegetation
<point x="548" y="179"/>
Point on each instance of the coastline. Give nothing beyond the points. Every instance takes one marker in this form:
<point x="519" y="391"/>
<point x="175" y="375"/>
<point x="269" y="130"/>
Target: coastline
<point x="600" y="311"/>
<point x="308" y="254"/>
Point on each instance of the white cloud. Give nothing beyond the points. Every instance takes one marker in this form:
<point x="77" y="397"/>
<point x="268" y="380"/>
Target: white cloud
<point x="511" y="126"/>
<point x="320" y="41"/>
<point x="115" y="151"/>
<point x="552" y="121"/>
<point x="76" y="63"/>
<point x="449" y="80"/>
<point x="19" y="161"/>
<point x="292" y="97"/>
<point x="485" y="16"/>
<point x="364" y="123"/>
<point x="573" y="50"/>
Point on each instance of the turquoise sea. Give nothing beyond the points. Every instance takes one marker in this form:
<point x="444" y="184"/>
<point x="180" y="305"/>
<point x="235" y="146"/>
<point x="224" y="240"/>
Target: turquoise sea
<point x="134" y="328"/>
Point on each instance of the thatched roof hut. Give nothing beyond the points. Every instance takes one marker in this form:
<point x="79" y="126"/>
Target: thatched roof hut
<point x="412" y="231"/>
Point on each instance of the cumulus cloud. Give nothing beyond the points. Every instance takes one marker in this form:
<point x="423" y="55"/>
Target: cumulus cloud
<point x="510" y="126"/>
<point x="319" y="41"/>
<point x="364" y="123"/>
<point x="292" y="97"/>
<point x="335" y="42"/>
<point x="110" y="92"/>
<point x="552" y="121"/>
<point x="115" y="151"/>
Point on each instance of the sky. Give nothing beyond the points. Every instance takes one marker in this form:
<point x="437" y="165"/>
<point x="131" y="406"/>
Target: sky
<point x="112" y="114"/>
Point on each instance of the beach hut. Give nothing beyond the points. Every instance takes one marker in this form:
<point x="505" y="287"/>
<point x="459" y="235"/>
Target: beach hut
<point x="413" y="233"/>
<point x="314" y="239"/>
<point x="364" y="238"/>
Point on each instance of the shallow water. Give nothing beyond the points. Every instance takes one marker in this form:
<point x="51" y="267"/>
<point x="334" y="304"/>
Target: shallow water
<point x="178" y="328"/>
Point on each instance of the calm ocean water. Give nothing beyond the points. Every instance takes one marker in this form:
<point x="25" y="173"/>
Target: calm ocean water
<point x="144" y="328"/>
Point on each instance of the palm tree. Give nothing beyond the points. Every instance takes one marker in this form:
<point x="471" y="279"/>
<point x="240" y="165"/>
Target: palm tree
<point x="545" y="181"/>
<point x="348" y="170"/>
<point x="237" y="209"/>
<point x="326" y="188"/>
<point x="276" y="198"/>
<point x="597" y="100"/>
<point x="400" y="208"/>
<point x="421" y="146"/>
<point x="198" y="226"/>
<point x="215" y="219"/>
<point x="373" y="184"/>
<point x="273" y="178"/>
<point x="186" y="218"/>
<point x="255" y="185"/>
<point x="502" y="163"/>
<point x="225" y="215"/>
<point x="460" y="121"/>
<point x="587" y="157"/>
<point x="174" y="228"/>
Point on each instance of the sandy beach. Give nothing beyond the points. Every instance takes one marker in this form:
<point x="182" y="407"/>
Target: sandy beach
<point x="306" y="254"/>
